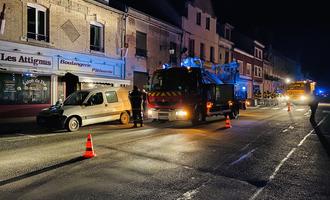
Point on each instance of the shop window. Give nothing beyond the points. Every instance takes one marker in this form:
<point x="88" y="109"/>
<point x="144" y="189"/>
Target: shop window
<point x="24" y="89"/>
<point x="141" y="44"/>
<point x="96" y="36"/>
<point x="37" y="22"/>
<point x="111" y="96"/>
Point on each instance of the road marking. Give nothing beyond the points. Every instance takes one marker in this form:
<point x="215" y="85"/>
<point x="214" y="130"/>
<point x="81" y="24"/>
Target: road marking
<point x="278" y="167"/>
<point x="291" y="127"/>
<point x="245" y="156"/>
<point x="188" y="195"/>
<point x="326" y="111"/>
<point x="264" y="108"/>
<point x="300" y="109"/>
<point x="275" y="108"/>
<point x="285" y="130"/>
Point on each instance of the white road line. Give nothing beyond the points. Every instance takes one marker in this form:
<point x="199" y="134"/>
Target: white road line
<point x="285" y="130"/>
<point x="300" y="109"/>
<point x="245" y="156"/>
<point x="278" y="167"/>
<point x="291" y="127"/>
<point x="326" y="111"/>
<point x="275" y="108"/>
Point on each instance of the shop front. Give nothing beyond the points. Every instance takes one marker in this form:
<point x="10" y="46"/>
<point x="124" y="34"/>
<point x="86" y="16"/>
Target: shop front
<point x="25" y="83"/>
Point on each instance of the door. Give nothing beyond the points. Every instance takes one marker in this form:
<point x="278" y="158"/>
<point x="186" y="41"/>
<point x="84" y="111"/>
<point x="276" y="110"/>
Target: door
<point x="114" y="107"/>
<point x="95" y="109"/>
<point x="140" y="79"/>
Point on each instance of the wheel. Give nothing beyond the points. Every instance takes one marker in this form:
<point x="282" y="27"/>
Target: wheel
<point x="124" y="118"/>
<point x="73" y="124"/>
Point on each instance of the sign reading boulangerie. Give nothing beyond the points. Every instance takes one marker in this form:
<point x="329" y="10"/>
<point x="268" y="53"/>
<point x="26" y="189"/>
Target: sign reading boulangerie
<point x="80" y="66"/>
<point x="25" y="59"/>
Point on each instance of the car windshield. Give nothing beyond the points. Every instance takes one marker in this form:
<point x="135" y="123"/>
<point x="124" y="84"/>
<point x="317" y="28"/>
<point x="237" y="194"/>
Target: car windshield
<point x="174" y="79"/>
<point x="77" y="98"/>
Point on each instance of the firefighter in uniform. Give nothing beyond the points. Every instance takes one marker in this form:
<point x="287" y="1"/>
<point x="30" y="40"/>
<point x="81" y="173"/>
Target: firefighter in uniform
<point x="313" y="104"/>
<point x="135" y="97"/>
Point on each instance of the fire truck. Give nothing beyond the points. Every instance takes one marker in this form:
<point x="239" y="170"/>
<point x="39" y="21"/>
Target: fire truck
<point x="193" y="93"/>
<point x="300" y="92"/>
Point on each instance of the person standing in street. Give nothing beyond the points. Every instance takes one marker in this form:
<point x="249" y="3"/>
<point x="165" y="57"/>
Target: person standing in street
<point x="135" y="97"/>
<point x="313" y="104"/>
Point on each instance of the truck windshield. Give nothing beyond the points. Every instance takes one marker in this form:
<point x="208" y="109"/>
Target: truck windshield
<point x="296" y="86"/>
<point x="76" y="98"/>
<point x="174" y="79"/>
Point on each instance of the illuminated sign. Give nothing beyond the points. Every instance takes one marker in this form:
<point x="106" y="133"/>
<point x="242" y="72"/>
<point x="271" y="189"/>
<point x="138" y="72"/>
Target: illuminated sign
<point x="93" y="67"/>
<point x="25" y="59"/>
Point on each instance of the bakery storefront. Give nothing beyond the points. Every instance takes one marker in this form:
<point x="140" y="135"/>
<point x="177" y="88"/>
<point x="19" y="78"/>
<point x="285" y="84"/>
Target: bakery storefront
<point x="25" y="83"/>
<point x="79" y="74"/>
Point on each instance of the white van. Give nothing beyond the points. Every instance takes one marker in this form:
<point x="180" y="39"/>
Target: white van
<point x="87" y="107"/>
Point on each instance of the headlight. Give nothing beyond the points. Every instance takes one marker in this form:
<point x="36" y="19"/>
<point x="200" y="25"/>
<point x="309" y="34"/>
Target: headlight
<point x="286" y="97"/>
<point x="303" y="98"/>
<point x="247" y="103"/>
<point x="230" y="103"/>
<point x="181" y="113"/>
<point x="149" y="112"/>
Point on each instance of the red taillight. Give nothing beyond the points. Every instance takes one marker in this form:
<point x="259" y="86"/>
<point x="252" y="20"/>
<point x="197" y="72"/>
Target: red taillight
<point x="209" y="105"/>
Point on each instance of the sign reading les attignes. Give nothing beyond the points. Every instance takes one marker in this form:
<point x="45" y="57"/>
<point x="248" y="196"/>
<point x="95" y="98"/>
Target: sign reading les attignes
<point x="21" y="59"/>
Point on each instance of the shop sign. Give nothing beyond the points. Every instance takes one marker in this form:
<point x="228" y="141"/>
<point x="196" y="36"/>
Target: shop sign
<point x="35" y="84"/>
<point x="25" y="59"/>
<point x="79" y="66"/>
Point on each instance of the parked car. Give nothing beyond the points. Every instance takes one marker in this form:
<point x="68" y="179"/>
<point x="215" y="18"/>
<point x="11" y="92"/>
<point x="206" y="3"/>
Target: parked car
<point x="87" y="107"/>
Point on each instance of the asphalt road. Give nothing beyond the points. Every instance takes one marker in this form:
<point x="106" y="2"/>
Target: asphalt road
<point x="269" y="153"/>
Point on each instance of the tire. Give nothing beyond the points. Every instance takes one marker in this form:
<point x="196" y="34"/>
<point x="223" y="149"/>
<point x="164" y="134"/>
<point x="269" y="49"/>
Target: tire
<point x="73" y="124"/>
<point x="124" y="118"/>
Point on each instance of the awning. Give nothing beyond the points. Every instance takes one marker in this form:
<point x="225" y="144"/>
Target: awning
<point x="104" y="80"/>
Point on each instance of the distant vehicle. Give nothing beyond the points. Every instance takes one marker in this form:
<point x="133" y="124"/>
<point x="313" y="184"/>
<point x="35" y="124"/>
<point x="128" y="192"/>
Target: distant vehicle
<point x="190" y="93"/>
<point x="300" y="92"/>
<point x="87" y="107"/>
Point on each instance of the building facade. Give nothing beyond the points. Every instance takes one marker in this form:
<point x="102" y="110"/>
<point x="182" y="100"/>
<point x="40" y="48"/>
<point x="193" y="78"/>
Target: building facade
<point x="200" y="37"/>
<point x="151" y="44"/>
<point x="51" y="48"/>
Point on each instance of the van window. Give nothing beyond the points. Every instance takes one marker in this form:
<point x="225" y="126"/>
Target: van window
<point x="111" y="96"/>
<point x="96" y="99"/>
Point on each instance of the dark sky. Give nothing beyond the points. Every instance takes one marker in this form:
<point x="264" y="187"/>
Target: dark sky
<point x="299" y="29"/>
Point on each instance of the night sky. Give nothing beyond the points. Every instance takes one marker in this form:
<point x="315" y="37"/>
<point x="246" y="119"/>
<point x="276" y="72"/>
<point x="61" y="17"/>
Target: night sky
<point x="298" y="29"/>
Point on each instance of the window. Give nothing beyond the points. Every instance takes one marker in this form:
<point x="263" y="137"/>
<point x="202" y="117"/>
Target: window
<point x="37" y="20"/>
<point x="96" y="36"/>
<point x="258" y="53"/>
<point x="207" y="23"/>
<point x="241" y="66"/>
<point x="191" y="47"/>
<point x="173" y="57"/>
<point x="257" y="71"/>
<point x="220" y="57"/>
<point x="96" y="99"/>
<point x="248" y="69"/>
<point x="198" y="18"/>
<point x="227" y="57"/>
<point x="111" y="96"/>
<point x="212" y="54"/>
<point x="227" y="34"/>
<point x="141" y="44"/>
<point x="202" y="51"/>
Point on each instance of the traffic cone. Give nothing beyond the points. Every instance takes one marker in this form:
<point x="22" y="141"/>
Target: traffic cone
<point x="228" y="125"/>
<point x="89" y="153"/>
<point x="289" y="106"/>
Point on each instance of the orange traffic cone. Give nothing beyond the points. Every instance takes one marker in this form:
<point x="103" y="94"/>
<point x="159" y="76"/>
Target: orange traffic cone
<point x="228" y="125"/>
<point x="89" y="148"/>
<point x="289" y="106"/>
